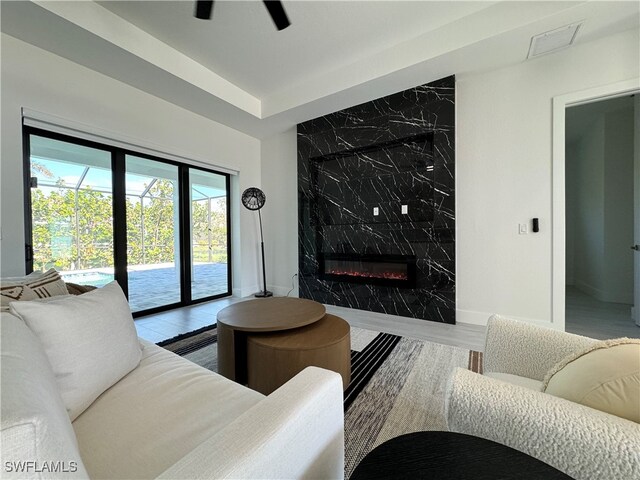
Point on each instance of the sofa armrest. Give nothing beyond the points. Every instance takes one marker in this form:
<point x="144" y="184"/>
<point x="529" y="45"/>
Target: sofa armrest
<point x="296" y="432"/>
<point x="527" y="350"/>
<point x="580" y="441"/>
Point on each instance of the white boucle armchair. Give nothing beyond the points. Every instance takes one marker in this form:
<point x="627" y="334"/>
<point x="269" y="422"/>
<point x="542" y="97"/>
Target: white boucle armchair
<point x="505" y="405"/>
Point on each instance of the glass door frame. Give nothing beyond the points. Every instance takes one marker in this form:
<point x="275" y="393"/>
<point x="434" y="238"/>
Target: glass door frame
<point x="118" y="170"/>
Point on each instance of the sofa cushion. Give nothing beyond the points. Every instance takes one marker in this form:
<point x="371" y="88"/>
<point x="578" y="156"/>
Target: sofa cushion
<point x="35" y="424"/>
<point x="605" y="376"/>
<point x="31" y="287"/>
<point x="90" y="341"/>
<point x="155" y="415"/>
<point x="529" y="383"/>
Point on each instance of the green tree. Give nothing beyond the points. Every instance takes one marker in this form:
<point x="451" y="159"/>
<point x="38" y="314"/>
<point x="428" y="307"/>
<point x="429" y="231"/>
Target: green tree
<point x="74" y="230"/>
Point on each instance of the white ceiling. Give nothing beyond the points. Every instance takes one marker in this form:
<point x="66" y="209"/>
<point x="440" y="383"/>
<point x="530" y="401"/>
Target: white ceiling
<point x="237" y="69"/>
<point x="241" y="44"/>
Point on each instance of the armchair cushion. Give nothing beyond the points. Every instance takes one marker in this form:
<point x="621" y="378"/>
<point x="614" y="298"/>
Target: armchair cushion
<point x="605" y="376"/>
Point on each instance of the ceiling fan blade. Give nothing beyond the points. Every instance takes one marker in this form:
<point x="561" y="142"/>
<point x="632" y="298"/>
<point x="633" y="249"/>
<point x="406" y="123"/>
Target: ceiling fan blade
<point x="278" y="15"/>
<point x="204" y="8"/>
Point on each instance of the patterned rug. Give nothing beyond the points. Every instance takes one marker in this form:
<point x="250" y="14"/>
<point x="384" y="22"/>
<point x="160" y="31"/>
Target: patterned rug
<point x="397" y="384"/>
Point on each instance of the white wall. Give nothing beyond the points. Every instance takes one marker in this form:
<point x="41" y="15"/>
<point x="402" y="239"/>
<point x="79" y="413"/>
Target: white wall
<point x="503" y="174"/>
<point x="503" y="177"/>
<point x="618" y="207"/>
<point x="280" y="183"/>
<point x="585" y="175"/>
<point x="570" y="203"/>
<point x="44" y="82"/>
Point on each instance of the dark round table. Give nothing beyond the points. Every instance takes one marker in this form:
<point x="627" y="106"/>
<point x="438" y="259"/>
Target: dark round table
<point x="448" y="455"/>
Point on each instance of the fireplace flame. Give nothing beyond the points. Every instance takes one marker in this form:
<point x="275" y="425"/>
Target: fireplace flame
<point x="385" y="275"/>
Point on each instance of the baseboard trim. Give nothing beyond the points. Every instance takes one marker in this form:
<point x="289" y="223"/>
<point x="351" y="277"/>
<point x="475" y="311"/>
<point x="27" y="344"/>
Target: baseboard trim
<point x="603" y="295"/>
<point x="248" y="291"/>
<point x="281" y="291"/>
<point x="277" y="290"/>
<point x="481" y="318"/>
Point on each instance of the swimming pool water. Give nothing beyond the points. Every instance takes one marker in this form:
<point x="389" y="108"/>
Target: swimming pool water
<point x="98" y="279"/>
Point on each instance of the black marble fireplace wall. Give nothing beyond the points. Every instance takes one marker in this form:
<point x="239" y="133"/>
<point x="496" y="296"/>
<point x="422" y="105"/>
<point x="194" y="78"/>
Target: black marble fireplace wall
<point x="392" y="152"/>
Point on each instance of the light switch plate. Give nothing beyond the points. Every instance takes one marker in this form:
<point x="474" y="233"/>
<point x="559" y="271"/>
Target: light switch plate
<point x="376" y="211"/>
<point x="405" y="209"/>
<point x="522" y="228"/>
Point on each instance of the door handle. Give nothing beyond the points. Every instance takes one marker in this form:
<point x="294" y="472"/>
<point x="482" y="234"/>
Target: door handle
<point x="635" y="247"/>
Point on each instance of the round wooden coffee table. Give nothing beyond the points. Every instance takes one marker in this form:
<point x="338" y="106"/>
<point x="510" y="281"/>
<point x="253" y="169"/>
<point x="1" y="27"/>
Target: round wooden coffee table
<point x="274" y="358"/>
<point x="260" y="315"/>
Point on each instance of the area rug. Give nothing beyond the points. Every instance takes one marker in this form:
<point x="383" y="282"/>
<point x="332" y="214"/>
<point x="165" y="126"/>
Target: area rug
<point x="397" y="384"/>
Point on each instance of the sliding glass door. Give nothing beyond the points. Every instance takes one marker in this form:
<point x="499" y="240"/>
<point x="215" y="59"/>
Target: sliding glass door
<point x="208" y="194"/>
<point x="153" y="239"/>
<point x="71" y="223"/>
<point x="98" y="213"/>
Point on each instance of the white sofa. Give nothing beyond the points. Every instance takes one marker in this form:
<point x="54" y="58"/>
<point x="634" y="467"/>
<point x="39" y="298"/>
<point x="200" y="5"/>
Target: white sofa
<point x="506" y="405"/>
<point x="167" y="418"/>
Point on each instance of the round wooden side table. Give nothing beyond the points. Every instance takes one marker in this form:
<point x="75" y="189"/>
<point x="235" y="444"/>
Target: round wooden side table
<point x="260" y="315"/>
<point x="275" y="358"/>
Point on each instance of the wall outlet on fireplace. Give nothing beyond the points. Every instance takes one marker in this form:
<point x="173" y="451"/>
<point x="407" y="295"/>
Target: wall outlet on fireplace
<point x="376" y="211"/>
<point x="404" y="209"/>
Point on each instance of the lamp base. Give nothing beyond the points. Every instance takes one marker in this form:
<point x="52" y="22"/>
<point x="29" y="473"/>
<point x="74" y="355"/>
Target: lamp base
<point x="263" y="294"/>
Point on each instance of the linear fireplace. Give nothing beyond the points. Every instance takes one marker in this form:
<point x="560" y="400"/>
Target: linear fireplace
<point x="388" y="270"/>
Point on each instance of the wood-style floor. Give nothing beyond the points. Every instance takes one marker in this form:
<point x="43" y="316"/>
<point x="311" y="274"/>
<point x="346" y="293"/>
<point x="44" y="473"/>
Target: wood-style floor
<point x="585" y="316"/>
<point x="162" y="326"/>
<point x="460" y="335"/>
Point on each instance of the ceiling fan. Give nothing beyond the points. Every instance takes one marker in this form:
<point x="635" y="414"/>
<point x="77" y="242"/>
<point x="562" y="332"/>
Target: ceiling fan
<point x="204" y="9"/>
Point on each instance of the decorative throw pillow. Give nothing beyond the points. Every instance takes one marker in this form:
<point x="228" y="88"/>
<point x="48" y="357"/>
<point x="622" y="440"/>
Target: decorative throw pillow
<point x="90" y="341"/>
<point x="75" y="289"/>
<point x="605" y="376"/>
<point x="31" y="287"/>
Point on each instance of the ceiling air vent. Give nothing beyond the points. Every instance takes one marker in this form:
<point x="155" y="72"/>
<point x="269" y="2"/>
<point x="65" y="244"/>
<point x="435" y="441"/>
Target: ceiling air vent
<point x="554" y="40"/>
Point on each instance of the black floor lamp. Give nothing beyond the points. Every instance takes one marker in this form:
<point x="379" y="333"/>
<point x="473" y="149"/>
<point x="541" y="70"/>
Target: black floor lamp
<point x="253" y="199"/>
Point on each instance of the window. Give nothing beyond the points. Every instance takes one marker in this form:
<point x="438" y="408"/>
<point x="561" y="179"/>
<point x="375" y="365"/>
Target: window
<point x="98" y="213"/>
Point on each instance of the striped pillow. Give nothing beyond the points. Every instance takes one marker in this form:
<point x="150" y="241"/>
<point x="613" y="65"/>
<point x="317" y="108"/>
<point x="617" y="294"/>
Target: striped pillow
<point x="32" y="287"/>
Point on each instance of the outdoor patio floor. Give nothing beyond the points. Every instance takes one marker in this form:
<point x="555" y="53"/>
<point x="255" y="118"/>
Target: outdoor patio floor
<point x="161" y="286"/>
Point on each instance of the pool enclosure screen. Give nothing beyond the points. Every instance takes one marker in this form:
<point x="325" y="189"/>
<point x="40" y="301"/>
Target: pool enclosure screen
<point x="98" y="213"/>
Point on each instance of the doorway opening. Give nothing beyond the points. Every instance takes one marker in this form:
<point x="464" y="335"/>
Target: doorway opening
<point x="602" y="217"/>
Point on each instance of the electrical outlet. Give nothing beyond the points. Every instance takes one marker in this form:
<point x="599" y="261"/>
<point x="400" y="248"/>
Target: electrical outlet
<point x="376" y="211"/>
<point x="522" y="228"/>
<point x="404" y="209"/>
